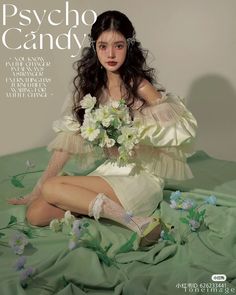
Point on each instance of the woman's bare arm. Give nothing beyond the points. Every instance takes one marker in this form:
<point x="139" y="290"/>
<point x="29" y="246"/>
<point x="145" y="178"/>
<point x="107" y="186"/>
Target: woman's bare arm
<point x="148" y="92"/>
<point x="55" y="165"/>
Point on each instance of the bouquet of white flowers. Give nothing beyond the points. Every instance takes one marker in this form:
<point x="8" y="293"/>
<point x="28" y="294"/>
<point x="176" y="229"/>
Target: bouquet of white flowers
<point x="110" y="125"/>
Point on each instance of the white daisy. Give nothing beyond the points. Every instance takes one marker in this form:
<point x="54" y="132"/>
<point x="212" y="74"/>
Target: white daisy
<point x="90" y="131"/>
<point x="88" y="102"/>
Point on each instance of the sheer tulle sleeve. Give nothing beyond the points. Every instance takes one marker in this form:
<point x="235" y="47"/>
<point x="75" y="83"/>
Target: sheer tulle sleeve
<point x="167" y="138"/>
<point x="69" y="139"/>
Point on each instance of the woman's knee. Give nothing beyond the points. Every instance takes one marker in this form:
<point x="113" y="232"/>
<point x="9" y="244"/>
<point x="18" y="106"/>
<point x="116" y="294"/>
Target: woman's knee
<point x="35" y="213"/>
<point x="50" y="188"/>
<point x="40" y="213"/>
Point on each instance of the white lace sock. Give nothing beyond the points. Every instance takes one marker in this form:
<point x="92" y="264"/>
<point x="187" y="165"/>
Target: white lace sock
<point x="102" y="206"/>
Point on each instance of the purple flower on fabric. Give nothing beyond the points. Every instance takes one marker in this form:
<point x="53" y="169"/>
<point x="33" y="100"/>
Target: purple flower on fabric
<point x="188" y="204"/>
<point x="76" y="228"/>
<point x="175" y="196"/>
<point x="194" y="224"/>
<point x="25" y="274"/>
<point x="20" y="263"/>
<point x="18" y="242"/>
<point x="211" y="200"/>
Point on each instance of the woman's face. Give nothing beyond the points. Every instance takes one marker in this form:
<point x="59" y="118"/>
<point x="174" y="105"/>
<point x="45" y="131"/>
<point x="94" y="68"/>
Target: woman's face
<point x="111" y="47"/>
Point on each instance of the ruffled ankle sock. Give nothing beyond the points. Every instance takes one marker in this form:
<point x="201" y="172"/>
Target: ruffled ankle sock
<point x="102" y="206"/>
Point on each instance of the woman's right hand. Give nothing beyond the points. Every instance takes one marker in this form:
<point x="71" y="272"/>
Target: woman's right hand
<point x="24" y="200"/>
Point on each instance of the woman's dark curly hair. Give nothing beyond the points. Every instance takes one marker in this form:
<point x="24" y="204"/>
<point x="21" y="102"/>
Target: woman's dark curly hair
<point x="91" y="77"/>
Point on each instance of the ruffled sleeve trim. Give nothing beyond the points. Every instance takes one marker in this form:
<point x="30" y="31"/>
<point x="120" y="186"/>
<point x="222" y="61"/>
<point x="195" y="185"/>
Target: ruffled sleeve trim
<point x="166" y="162"/>
<point x="69" y="139"/>
<point x="85" y="154"/>
<point x="70" y="142"/>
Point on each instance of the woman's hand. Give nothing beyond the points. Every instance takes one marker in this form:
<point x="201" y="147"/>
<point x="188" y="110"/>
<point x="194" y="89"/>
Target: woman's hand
<point x="56" y="163"/>
<point x="24" y="200"/>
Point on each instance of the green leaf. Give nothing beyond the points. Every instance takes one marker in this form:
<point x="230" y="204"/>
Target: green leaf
<point x="20" y="177"/>
<point x="99" y="251"/>
<point x="203" y="212"/>
<point x="169" y="237"/>
<point x="104" y="258"/>
<point x="184" y="220"/>
<point x="86" y="224"/>
<point x="13" y="220"/>
<point x="16" y="182"/>
<point x="108" y="247"/>
<point x="126" y="247"/>
<point x="28" y="232"/>
<point x="191" y="213"/>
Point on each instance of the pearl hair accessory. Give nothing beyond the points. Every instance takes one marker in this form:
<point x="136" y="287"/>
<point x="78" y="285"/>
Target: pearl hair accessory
<point x="92" y="42"/>
<point x="131" y="40"/>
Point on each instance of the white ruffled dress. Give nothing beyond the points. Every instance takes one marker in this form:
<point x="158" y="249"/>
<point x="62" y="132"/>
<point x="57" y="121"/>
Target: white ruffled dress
<point x="169" y="130"/>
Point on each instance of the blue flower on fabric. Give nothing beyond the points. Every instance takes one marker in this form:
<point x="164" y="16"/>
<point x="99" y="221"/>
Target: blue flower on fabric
<point x="175" y="196"/>
<point x="76" y="232"/>
<point x="18" y="242"/>
<point x="76" y="228"/>
<point x="20" y="263"/>
<point x="211" y="200"/>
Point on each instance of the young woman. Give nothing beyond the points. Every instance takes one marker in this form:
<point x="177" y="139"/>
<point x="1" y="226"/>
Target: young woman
<point x="114" y="67"/>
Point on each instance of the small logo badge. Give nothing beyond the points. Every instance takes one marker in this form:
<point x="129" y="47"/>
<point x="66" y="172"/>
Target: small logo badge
<point x="218" y="277"/>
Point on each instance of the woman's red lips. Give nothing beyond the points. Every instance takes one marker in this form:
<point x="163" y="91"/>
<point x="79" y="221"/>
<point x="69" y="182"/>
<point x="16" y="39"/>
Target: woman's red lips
<point x="111" y="63"/>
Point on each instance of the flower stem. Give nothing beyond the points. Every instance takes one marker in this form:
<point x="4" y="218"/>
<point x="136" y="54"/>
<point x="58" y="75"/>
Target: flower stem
<point x="10" y="225"/>
<point x="24" y="173"/>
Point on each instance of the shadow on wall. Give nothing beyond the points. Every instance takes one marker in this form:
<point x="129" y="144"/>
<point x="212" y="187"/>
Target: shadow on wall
<point x="212" y="100"/>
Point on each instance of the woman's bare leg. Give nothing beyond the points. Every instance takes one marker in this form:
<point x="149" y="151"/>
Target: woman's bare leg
<point x="80" y="194"/>
<point x="40" y="212"/>
<point x="75" y="193"/>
